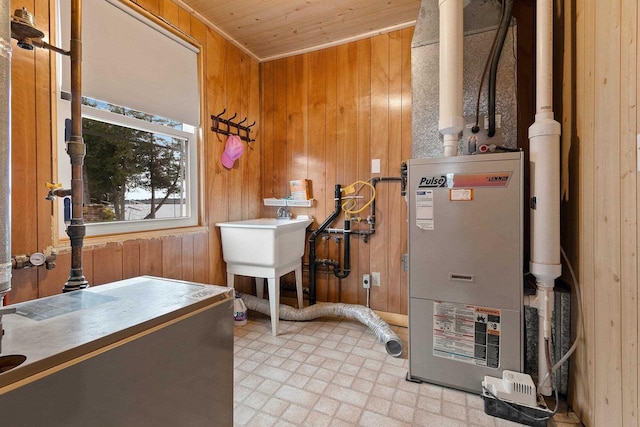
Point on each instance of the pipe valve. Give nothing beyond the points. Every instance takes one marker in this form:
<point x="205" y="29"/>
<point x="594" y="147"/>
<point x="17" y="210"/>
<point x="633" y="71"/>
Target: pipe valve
<point x="52" y="186"/>
<point x="56" y="190"/>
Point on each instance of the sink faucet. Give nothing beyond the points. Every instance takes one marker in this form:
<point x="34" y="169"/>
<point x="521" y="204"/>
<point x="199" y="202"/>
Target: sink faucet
<point x="283" y="212"/>
<point x="3" y="311"/>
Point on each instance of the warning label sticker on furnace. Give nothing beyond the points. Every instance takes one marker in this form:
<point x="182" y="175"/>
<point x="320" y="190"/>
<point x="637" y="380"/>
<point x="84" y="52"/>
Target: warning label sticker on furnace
<point x="466" y="333"/>
<point x="424" y="209"/>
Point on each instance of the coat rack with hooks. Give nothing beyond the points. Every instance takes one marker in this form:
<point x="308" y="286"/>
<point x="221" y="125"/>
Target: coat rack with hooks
<point x="218" y="125"/>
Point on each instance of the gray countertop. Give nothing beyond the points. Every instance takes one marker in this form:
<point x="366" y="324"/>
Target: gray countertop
<point x="56" y="330"/>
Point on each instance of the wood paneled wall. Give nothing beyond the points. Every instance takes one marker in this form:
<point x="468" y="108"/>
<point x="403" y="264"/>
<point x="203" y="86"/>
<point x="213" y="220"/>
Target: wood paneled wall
<point x="601" y="220"/>
<point x="231" y="81"/>
<point x="325" y="116"/>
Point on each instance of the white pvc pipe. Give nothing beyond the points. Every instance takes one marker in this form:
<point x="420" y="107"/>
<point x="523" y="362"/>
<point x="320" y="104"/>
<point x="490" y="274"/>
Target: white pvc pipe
<point x="544" y="303"/>
<point x="544" y="56"/>
<point x="544" y="143"/>
<point x="544" y="149"/>
<point x="451" y="122"/>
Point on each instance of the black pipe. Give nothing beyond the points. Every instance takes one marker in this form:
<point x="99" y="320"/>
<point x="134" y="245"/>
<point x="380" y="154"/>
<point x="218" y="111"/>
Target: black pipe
<point x="328" y="263"/>
<point x="346" y="260"/>
<point x="374" y="181"/>
<point x="346" y="269"/>
<point x="312" y="243"/>
<point x="501" y="36"/>
<point x="403" y="179"/>
<point x="386" y="178"/>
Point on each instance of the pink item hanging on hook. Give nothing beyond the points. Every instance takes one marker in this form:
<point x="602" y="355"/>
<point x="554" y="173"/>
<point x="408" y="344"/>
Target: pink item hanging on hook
<point x="233" y="149"/>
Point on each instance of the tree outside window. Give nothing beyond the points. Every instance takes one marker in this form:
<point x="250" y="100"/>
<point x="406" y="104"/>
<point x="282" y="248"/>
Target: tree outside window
<point x="132" y="174"/>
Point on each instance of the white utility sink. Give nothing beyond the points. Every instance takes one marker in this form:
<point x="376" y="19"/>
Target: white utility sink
<point x="263" y="242"/>
<point x="265" y="248"/>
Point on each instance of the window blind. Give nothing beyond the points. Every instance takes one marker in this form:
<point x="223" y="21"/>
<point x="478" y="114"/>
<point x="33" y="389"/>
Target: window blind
<point x="130" y="61"/>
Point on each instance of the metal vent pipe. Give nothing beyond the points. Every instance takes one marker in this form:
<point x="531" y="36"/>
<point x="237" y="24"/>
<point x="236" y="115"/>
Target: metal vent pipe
<point x="5" y="149"/>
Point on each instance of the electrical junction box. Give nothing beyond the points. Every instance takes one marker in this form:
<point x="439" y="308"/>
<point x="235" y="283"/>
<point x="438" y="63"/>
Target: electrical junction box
<point x="465" y="268"/>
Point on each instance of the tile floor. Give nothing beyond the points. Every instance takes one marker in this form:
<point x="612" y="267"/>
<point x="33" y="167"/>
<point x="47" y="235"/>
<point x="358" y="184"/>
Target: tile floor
<point x="334" y="372"/>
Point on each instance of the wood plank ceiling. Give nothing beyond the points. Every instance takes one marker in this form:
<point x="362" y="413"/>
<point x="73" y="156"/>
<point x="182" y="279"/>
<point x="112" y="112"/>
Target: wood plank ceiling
<point x="270" y="29"/>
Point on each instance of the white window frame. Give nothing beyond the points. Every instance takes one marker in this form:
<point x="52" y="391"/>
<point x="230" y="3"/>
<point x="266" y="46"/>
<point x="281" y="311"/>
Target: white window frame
<point x="132" y="226"/>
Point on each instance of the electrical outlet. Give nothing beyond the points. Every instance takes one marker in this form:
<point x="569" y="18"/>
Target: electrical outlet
<point x="366" y="281"/>
<point x="375" y="278"/>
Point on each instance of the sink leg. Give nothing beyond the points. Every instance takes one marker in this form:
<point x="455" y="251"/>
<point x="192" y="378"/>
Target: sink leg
<point x="230" y="280"/>
<point x="260" y="287"/>
<point x="299" y="286"/>
<point x="274" y="303"/>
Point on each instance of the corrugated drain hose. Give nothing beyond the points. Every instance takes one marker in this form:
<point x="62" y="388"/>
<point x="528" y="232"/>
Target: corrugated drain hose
<point x="364" y="315"/>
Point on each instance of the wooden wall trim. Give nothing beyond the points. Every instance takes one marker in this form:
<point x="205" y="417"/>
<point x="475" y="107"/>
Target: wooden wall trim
<point x="629" y="211"/>
<point x="607" y="213"/>
<point x="583" y="377"/>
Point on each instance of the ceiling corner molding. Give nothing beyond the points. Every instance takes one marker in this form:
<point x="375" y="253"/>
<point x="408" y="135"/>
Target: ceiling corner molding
<point x="283" y="53"/>
<point x="342" y="41"/>
<point x="218" y="30"/>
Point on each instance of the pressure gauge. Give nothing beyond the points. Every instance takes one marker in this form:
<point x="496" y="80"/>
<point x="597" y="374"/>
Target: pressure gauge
<point x="37" y="259"/>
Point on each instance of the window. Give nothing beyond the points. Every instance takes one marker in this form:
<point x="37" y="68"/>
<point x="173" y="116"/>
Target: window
<point x="137" y="166"/>
<point x="141" y="108"/>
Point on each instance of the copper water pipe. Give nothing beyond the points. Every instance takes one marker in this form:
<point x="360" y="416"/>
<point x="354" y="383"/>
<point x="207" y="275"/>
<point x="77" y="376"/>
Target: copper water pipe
<point x="23" y="29"/>
<point x="76" y="150"/>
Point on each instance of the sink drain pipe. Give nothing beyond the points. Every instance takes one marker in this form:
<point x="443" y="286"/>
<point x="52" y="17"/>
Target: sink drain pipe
<point x="364" y="315"/>
<point x="312" y="243"/>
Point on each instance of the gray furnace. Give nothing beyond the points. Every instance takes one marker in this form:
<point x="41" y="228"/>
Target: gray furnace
<point x="465" y="268"/>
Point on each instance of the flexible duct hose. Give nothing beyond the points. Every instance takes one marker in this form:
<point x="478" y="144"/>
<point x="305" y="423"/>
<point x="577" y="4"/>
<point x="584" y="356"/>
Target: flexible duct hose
<point x="364" y="315"/>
